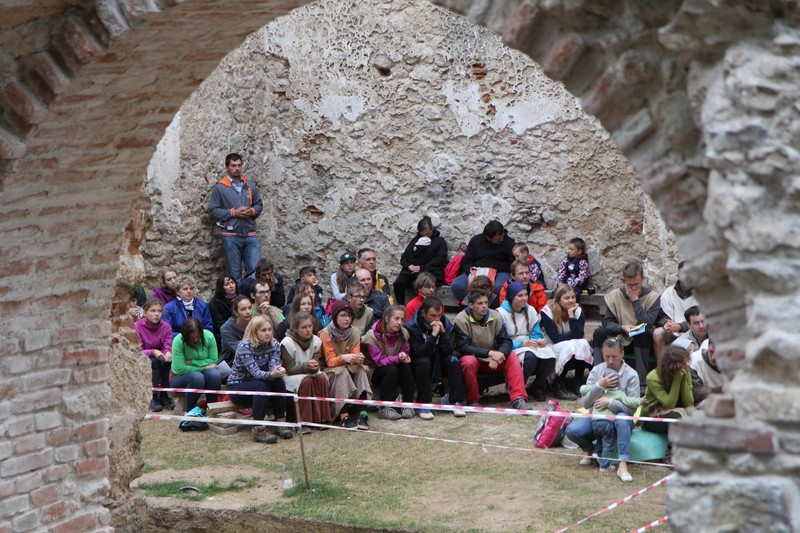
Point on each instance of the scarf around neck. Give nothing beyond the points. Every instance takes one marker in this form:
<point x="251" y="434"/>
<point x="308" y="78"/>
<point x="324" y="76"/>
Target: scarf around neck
<point x="303" y="344"/>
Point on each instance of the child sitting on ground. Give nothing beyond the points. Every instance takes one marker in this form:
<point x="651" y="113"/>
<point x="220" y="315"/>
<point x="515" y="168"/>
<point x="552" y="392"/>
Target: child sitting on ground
<point x="521" y="253"/>
<point x="574" y="269"/>
<point x="606" y="429"/>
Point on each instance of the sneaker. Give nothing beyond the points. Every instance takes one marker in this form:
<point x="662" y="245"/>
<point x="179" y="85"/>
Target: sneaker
<point x="264" y="435"/>
<point x="166" y="402"/>
<point x="304" y="430"/>
<point x="387" y="413"/>
<point x="363" y="421"/>
<point x="425" y="414"/>
<point x="407" y="413"/>
<point x="607" y="470"/>
<point x="519" y="403"/>
<point x="458" y="413"/>
<point x="560" y="392"/>
<point x="588" y="460"/>
<point x="348" y="423"/>
<point x="156" y="406"/>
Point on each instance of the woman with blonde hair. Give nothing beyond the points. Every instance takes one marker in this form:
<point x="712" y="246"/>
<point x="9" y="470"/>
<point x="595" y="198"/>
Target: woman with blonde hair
<point x="257" y="367"/>
<point x="563" y="321"/>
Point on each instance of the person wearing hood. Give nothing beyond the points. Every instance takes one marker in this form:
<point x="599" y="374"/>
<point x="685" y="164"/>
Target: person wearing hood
<point x="491" y="252"/>
<point x="427" y="252"/>
<point x="521" y="321"/>
<point x="301" y="353"/>
<point x="344" y="364"/>
<point x="387" y="345"/>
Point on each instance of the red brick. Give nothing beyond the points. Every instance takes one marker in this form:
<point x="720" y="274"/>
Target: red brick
<point x="80" y="40"/>
<point x="76" y="525"/>
<point x="7" y="389"/>
<point x="92" y="467"/>
<point x="97" y="447"/>
<point x="6" y="488"/>
<point x="55" y="511"/>
<point x="29" y="443"/>
<point x="43" y="495"/>
<point x="563" y="56"/>
<point x="66" y="335"/>
<point x="98" y="374"/>
<point x="58" y="437"/>
<point x="20" y="426"/>
<point x="45" y="69"/>
<point x="85" y="357"/>
<point x="56" y="473"/>
<point x="11" y="146"/>
<point x="602" y="92"/>
<point x="24" y="103"/>
<point x="71" y="300"/>
<point x="520" y="25"/>
<point x="91" y="431"/>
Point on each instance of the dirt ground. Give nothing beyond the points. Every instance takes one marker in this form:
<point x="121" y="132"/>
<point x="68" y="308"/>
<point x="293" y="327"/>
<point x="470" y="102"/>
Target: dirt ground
<point x="501" y="484"/>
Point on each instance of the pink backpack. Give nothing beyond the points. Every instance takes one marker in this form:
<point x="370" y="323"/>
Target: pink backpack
<point x="550" y="430"/>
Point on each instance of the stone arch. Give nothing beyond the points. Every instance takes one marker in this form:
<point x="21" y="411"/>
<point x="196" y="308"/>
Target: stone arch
<point x="84" y="100"/>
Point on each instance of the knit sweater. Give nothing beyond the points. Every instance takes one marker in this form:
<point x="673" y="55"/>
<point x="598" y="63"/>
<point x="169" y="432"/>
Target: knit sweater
<point x="679" y="395"/>
<point x="481" y="336"/>
<point x="254" y="363"/>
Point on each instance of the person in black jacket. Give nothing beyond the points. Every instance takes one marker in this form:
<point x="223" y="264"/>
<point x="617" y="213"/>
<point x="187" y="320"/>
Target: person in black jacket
<point x="491" y="249"/>
<point x="432" y="342"/>
<point x="427" y="252"/>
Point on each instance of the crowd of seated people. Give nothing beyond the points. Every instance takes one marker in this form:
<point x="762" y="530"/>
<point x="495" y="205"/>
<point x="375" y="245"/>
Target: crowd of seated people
<point x="358" y="343"/>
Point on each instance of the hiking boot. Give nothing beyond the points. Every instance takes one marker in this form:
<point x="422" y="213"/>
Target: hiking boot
<point x="519" y="403"/>
<point x="539" y="396"/>
<point x="166" y="402"/>
<point x="407" y="413"/>
<point x="425" y="414"/>
<point x="458" y="413"/>
<point x="264" y="435"/>
<point x="286" y="433"/>
<point x="363" y="421"/>
<point x="560" y="392"/>
<point x="349" y="423"/>
<point x="387" y="413"/>
<point x="156" y="406"/>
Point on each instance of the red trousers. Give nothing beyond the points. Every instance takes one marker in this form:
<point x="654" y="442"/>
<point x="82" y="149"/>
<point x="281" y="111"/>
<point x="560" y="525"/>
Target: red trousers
<point x="470" y="366"/>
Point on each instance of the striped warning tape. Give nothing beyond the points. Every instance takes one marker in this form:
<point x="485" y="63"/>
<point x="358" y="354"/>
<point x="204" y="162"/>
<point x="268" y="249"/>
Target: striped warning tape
<point x="432" y="406"/>
<point x="618" y="503"/>
<point x="651" y="525"/>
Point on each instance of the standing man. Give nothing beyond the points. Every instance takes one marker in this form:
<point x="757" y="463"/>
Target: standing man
<point x="235" y="204"/>
<point x="368" y="259"/>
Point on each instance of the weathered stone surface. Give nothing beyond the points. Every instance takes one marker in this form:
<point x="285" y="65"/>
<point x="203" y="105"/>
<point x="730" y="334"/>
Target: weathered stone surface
<point x="404" y="123"/>
<point x="724" y="435"/>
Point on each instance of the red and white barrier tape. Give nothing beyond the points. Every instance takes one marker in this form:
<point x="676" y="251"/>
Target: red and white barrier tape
<point x="432" y="406"/>
<point x="651" y="525"/>
<point x="232" y="421"/>
<point x="618" y="503"/>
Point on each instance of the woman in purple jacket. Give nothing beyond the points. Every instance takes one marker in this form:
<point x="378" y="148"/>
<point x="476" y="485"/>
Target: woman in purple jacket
<point x="156" y="338"/>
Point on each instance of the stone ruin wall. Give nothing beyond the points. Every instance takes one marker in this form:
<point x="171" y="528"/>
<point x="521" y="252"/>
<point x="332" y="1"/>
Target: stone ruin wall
<point x="353" y="133"/>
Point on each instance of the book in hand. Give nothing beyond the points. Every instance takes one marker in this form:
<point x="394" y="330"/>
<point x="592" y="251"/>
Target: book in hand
<point x="637" y="330"/>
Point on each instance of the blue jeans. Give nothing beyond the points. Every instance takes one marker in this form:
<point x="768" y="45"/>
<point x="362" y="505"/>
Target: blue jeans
<point x="209" y="378"/>
<point x="238" y="250"/>
<point x="459" y="285"/>
<point x="581" y="433"/>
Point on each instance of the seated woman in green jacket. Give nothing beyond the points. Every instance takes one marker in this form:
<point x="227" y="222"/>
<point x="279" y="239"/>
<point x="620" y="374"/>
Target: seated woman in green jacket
<point x="669" y="389"/>
<point x="194" y="362"/>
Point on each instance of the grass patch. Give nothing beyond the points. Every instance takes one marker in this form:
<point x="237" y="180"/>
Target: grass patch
<point x="378" y="481"/>
<point x="183" y="489"/>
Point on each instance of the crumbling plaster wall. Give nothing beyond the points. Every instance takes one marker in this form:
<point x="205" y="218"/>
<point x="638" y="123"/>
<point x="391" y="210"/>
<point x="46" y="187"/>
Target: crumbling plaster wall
<point x="355" y="119"/>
